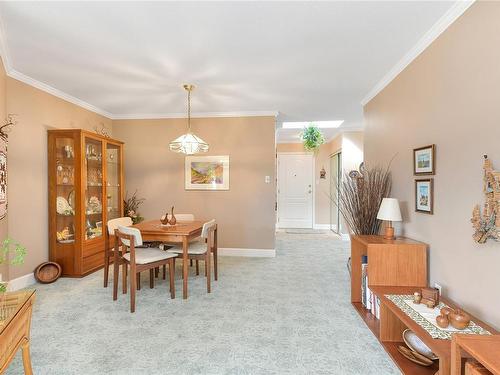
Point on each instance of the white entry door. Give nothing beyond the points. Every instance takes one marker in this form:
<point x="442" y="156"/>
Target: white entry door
<point x="295" y="190"/>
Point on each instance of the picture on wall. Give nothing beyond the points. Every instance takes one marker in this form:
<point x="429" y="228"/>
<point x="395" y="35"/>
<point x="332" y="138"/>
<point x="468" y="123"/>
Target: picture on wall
<point x="207" y="172"/>
<point x="424" y="196"/>
<point x="424" y="160"/>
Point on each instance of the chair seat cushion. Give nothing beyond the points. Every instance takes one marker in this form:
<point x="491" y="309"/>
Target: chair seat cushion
<point x="195" y="248"/>
<point x="149" y="255"/>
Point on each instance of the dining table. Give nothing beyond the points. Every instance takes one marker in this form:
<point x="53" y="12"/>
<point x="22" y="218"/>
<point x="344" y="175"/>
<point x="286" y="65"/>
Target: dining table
<point x="183" y="232"/>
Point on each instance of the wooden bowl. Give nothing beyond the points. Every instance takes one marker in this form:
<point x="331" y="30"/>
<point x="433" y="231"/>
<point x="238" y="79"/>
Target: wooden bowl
<point x="48" y="272"/>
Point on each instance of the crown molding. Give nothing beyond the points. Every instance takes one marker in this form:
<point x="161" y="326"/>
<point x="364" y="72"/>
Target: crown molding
<point x="159" y="116"/>
<point x="56" y="92"/>
<point x="434" y="32"/>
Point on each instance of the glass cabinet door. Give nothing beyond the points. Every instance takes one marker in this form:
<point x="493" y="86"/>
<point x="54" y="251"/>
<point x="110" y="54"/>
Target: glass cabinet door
<point x="113" y="181"/>
<point x="93" y="189"/>
<point x="65" y="190"/>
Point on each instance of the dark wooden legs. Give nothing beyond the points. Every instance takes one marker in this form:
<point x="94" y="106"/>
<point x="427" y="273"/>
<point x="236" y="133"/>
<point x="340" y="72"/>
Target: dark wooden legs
<point x="215" y="264"/>
<point x="115" y="279"/>
<point x="207" y="270"/>
<point x="152" y="278"/>
<point x="197" y="267"/>
<point x="164" y="271"/>
<point x="185" y="267"/>
<point x="171" y="273"/>
<point x="106" y="268"/>
<point x="138" y="283"/>
<point x="190" y="262"/>
<point x="133" y="287"/>
<point x="124" y="278"/>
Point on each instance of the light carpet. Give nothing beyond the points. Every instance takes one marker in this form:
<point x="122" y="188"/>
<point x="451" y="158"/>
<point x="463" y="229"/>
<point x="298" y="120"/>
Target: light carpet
<point x="285" y="315"/>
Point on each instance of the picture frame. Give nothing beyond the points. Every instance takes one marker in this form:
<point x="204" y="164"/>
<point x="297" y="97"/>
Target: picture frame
<point x="424" y="160"/>
<point x="206" y="172"/>
<point x="424" y="196"/>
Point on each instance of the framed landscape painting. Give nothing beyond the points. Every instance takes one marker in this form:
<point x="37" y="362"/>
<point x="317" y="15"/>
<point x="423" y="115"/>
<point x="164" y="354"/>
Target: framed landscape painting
<point x="207" y="172"/>
<point x="424" y="196"/>
<point x="424" y="160"/>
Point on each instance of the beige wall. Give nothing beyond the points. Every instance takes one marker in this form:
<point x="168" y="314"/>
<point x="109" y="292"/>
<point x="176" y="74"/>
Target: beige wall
<point x="449" y="96"/>
<point x="245" y="213"/>
<point x="27" y="166"/>
<point x="351" y="145"/>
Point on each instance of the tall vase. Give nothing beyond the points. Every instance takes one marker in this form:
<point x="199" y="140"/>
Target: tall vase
<point x="173" y="220"/>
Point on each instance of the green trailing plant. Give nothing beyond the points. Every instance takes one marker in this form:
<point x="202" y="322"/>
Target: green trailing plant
<point x="131" y="207"/>
<point x="312" y="138"/>
<point x="13" y="251"/>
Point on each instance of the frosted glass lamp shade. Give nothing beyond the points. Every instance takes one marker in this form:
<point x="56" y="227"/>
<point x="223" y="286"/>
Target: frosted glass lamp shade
<point x="389" y="210"/>
<point x="188" y="144"/>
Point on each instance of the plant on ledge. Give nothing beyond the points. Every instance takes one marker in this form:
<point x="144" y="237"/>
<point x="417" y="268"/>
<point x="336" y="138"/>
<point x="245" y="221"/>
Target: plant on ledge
<point x="14" y="250"/>
<point x="359" y="196"/>
<point x="131" y="207"/>
<point x="312" y="138"/>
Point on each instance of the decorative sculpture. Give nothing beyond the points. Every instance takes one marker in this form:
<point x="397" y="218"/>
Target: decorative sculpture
<point x="487" y="223"/>
<point x="172" y="220"/>
<point x="4" y="130"/>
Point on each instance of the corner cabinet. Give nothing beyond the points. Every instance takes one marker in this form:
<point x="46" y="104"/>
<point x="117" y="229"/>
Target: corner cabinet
<point x="85" y="191"/>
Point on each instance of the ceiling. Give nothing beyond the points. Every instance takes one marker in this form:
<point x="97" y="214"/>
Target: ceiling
<point x="305" y="60"/>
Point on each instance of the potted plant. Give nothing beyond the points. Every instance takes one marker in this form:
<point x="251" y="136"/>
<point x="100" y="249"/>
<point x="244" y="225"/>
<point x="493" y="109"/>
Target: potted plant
<point x="312" y="138"/>
<point x="13" y="251"/>
<point x="131" y="207"/>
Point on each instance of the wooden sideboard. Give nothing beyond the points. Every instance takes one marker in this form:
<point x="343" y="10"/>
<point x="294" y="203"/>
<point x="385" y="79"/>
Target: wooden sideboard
<point x="400" y="267"/>
<point x="15" y="322"/>
<point x="399" y="262"/>
<point x="483" y="349"/>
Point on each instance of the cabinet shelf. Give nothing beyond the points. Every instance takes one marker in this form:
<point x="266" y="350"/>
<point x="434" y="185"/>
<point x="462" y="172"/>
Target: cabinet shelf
<point x="88" y="177"/>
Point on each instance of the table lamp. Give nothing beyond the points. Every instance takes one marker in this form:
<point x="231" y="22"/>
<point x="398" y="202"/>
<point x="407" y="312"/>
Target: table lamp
<point x="389" y="211"/>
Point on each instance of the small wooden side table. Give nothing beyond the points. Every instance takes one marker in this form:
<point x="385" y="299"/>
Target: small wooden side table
<point x="483" y="349"/>
<point x="15" y="322"/>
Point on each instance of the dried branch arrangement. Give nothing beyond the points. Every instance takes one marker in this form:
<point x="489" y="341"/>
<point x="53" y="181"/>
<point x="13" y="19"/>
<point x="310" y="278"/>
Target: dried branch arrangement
<point x="7" y="125"/>
<point x="131" y="207"/>
<point x="359" y="196"/>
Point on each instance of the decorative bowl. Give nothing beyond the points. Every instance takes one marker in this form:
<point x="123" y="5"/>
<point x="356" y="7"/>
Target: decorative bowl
<point x="417" y="345"/>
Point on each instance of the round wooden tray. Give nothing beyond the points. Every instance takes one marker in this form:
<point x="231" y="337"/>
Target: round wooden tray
<point x="48" y="272"/>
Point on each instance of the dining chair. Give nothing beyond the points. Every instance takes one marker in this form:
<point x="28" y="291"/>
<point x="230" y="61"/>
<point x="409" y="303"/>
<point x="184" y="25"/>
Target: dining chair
<point x="109" y="252"/>
<point x="202" y="250"/>
<point x="138" y="260"/>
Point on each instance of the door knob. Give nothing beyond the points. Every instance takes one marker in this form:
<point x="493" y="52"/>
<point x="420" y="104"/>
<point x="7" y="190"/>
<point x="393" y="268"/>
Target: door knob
<point x="310" y="191"/>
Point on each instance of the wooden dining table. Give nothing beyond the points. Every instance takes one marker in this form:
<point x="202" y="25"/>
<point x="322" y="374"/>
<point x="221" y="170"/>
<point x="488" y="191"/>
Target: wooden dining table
<point x="181" y="233"/>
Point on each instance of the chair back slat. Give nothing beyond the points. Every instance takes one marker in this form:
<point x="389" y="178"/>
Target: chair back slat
<point x="133" y="232"/>
<point x="115" y="223"/>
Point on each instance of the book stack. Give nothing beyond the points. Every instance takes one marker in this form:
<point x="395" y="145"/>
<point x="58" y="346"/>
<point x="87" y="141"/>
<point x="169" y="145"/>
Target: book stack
<point x="369" y="300"/>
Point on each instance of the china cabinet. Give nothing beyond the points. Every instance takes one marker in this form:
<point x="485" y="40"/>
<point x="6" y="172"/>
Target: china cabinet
<point x="85" y="191"/>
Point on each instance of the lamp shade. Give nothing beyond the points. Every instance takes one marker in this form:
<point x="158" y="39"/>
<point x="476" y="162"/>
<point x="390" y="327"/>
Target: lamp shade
<point x="389" y="210"/>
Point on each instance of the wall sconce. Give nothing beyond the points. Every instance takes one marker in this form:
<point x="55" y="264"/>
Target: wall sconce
<point x="322" y="173"/>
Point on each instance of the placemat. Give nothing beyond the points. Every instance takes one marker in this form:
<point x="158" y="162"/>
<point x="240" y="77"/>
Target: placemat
<point x="426" y="318"/>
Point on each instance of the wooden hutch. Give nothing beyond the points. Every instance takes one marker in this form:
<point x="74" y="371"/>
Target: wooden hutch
<point x="85" y="191"/>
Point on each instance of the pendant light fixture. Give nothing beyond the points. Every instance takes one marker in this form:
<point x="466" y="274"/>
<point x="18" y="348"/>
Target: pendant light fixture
<point x="188" y="143"/>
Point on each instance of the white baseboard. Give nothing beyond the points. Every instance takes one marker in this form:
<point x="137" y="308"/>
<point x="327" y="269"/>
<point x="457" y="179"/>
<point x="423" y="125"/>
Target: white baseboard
<point x="243" y="252"/>
<point x="322" y="226"/>
<point x="345" y="237"/>
<point x="21" y="282"/>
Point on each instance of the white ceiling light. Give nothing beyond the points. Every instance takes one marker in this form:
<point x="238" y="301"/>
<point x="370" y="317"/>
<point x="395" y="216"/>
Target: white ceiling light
<point x="318" y="124"/>
<point x="188" y="143"/>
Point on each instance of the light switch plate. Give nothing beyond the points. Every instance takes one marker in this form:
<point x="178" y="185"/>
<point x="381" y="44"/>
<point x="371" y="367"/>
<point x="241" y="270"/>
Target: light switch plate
<point x="267" y="179"/>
